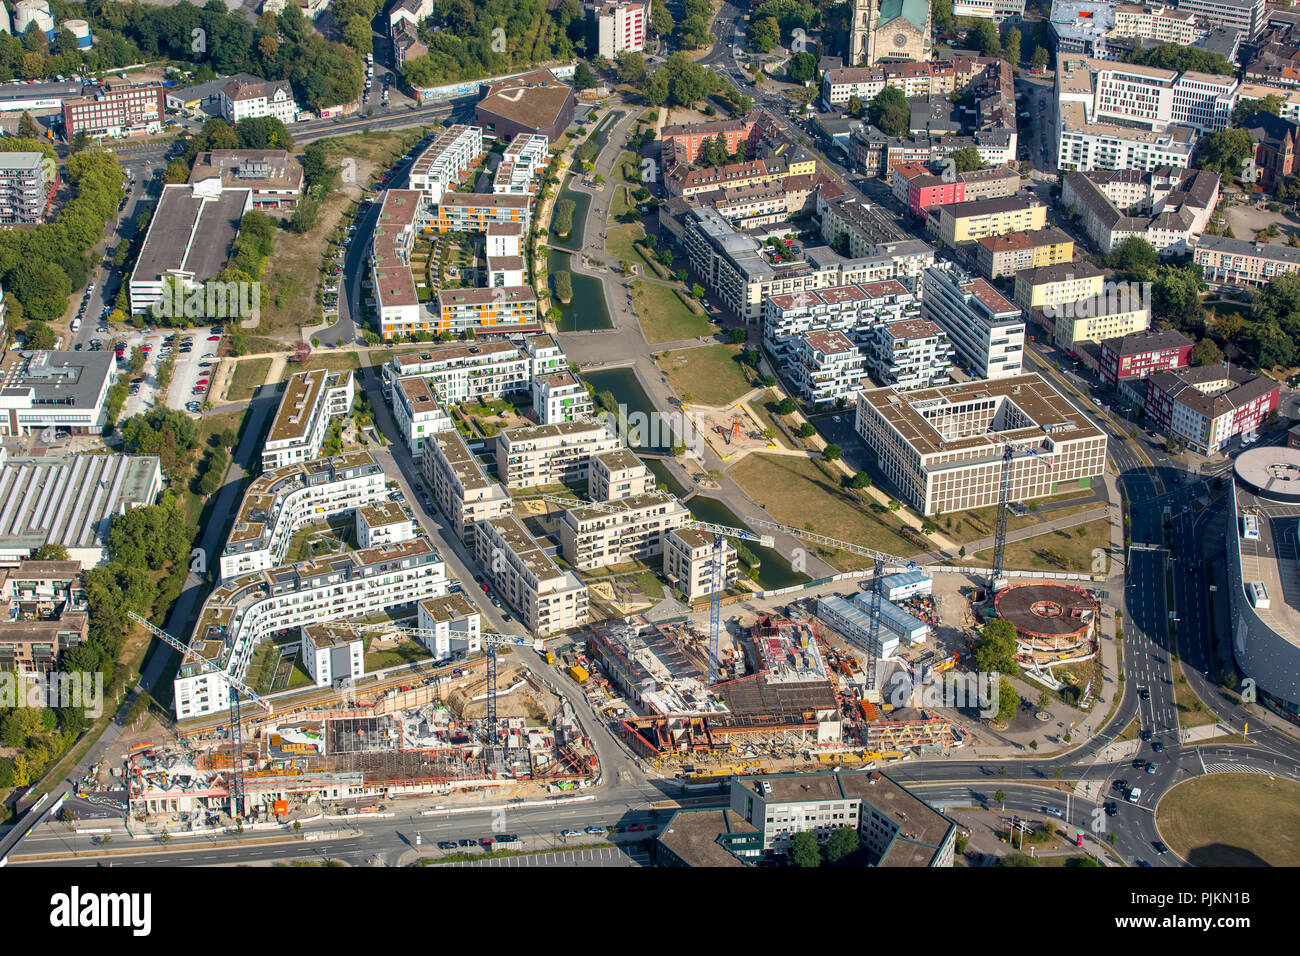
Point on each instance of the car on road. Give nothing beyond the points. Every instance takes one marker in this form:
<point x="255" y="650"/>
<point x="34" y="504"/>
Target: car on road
<point x="1146" y="735"/>
<point x="1053" y="811"/>
<point x="596" y="831"/>
<point x="636" y="827"/>
<point x="1143" y="863"/>
<point x="1144" y="693"/>
<point x="1139" y="764"/>
<point x="1160" y="846"/>
<point x="1158" y="747"/>
<point x="1119" y="786"/>
<point x="1111" y="808"/>
<point x="1151" y="766"/>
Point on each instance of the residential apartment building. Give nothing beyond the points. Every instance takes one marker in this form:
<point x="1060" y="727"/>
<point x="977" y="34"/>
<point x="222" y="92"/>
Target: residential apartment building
<point x="690" y="138"/>
<point x="986" y="331"/>
<point x="688" y="562"/>
<point x="45" y="612"/>
<point x="117" y="108"/>
<point x="825" y="367"/>
<point x="332" y="654"/>
<point x="1121" y="311"/>
<point x="943" y="447"/>
<point x="968" y="221"/>
<point x="1209" y="405"/>
<point x="1176" y="206"/>
<point x="447" y="161"/>
<point x="418" y="413"/>
<point x="549" y="601"/>
<point x="621" y="27"/>
<point x="383" y="523"/>
<point x="621" y="530"/>
<point x="465" y="373"/>
<point x="245" y="100"/>
<point x="559" y="397"/>
<point x="246" y="610"/>
<point x="488" y="310"/>
<point x="1243" y="261"/>
<point x="551" y="454"/>
<point x="1050" y="287"/>
<point x="27" y="184"/>
<point x="280" y="502"/>
<point x="521" y="165"/>
<point x="909" y="353"/>
<point x="1017" y="251"/>
<point x="1135" y="356"/>
<point x="311" y="401"/>
<point x="396" y="301"/>
<point x="451" y="625"/>
<point x="854" y="310"/>
<point x="463" y="491"/>
<point x="474" y="212"/>
<point x="618" y="474"/>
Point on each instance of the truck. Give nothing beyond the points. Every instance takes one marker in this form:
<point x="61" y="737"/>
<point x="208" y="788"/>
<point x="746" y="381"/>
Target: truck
<point x="578" y="673"/>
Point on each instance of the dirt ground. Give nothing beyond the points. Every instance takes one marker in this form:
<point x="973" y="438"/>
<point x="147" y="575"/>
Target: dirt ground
<point x="1247" y="220"/>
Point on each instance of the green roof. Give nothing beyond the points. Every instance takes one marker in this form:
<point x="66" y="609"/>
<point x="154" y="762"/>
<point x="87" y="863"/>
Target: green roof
<point x="917" y="12"/>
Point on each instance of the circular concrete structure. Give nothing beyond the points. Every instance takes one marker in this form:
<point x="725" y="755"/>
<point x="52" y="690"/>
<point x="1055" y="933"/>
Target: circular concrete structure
<point x="1270" y="472"/>
<point x="1047" y="615"/>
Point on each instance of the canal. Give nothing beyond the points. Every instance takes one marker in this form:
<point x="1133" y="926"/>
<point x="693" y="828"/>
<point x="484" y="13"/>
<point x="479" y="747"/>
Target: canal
<point x="774" y="571"/>
<point x="587" y="312"/>
<point x="623" y="384"/>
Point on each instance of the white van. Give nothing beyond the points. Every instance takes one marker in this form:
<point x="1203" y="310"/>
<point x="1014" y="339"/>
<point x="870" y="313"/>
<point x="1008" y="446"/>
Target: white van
<point x="76" y="324"/>
<point x="1258" y="595"/>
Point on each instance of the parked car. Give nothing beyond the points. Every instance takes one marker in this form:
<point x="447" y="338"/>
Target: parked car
<point x="446" y="845"/>
<point x="596" y="830"/>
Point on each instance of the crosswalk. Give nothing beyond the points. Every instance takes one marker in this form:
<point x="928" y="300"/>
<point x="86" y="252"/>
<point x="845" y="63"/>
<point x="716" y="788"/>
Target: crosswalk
<point x="1234" y="768"/>
<point x="596" y="856"/>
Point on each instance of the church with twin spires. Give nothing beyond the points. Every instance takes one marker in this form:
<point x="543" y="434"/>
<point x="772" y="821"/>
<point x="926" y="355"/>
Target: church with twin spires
<point x="889" y="30"/>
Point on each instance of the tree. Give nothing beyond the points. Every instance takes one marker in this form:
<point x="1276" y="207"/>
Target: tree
<point x="984" y="38"/>
<point x="764" y="34"/>
<point x="996" y="648"/>
<point x="1039" y="60"/>
<point x="1225" y="150"/>
<point x="804" y="851"/>
<point x="786" y="406"/>
<point x="38" y="335"/>
<point x="860" y="480"/>
<point x="631" y="67"/>
<point x="801" y="67"/>
<point x="50" y="552"/>
<point x="967" y="159"/>
<point x="80" y="141"/>
<point x="583" y="78"/>
<point x="27" y="127"/>
<point x="1008" y="700"/>
<point x="177" y="171"/>
<point x="1134" y="254"/>
<point x="1169" y="56"/>
<point x="831" y="452"/>
<point x="1018" y="859"/>
<point x="889" y="112"/>
<point x="842" y="842"/>
<point x="855" y="105"/>
<point x="661" y="21"/>
<point x="941" y="18"/>
<point x="1011" y="52"/>
<point x="1246" y="108"/>
<point x="697" y="291"/>
<point x="1000" y="797"/>
<point x="1205" y="352"/>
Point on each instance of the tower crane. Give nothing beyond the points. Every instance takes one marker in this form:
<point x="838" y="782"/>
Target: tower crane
<point x="717" y="572"/>
<point x="236" y="686"/>
<point x="1004" y="502"/>
<point x="490" y="641"/>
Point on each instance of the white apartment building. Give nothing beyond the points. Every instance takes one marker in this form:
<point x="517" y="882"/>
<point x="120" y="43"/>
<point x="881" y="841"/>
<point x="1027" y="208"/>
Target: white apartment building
<point x="618" y="474"/>
<point x="244" y="611"/>
<point x="385" y="522"/>
<point x="1248" y="16"/>
<point x="274" y="98"/>
<point x="621" y="27"/>
<point x="910" y="353"/>
<point x="986" y="331"/>
<point x="1160" y="23"/>
<point x="548" y="600"/>
<point x="280" y="502"/>
<point x="504" y="239"/>
<point x="446" y="161"/>
<point x="331" y="654"/>
<point x="551" y="454"/>
<point x="462" y="490"/>
<point x="464" y="373"/>
<point x="825" y="367"/>
<point x="688" y="562"/>
<point x="559" y="397"/>
<point x="522" y="164"/>
<point x="452" y="626"/>
<point x="311" y="400"/>
<point x="614" y="532"/>
<point x="418" y="413"/>
<point x="852" y="309"/>
<point x="943" y="447"/>
<point x="545" y="356"/>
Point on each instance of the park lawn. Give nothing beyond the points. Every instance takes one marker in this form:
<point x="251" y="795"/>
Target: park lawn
<point x="248" y="377"/>
<point x="620" y="203"/>
<point x="627" y="156"/>
<point x="334" y="361"/>
<point x="1064" y="550"/>
<point x="796" y="492"/>
<point x="620" y="241"/>
<point x="664" y="316"/>
<point x="1233" y="819"/>
<point x="979" y="523"/>
<point x="709" y="375"/>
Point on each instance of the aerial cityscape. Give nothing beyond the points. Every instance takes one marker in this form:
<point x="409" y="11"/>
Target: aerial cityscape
<point x="650" y="433"/>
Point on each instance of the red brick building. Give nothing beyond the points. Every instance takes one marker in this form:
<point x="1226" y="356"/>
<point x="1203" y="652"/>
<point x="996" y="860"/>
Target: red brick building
<point x="691" y="136"/>
<point x="1141" y="354"/>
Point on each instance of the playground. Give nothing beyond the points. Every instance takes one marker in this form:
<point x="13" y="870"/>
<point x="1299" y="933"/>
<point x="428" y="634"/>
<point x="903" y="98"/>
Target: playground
<point x="732" y="432"/>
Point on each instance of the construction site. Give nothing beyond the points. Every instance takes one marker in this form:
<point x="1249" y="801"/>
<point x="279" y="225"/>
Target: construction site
<point x="351" y="752"/>
<point x="1055" y="623"/>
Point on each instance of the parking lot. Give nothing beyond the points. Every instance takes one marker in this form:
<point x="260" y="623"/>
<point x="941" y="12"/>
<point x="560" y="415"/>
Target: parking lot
<point x="194" y="351"/>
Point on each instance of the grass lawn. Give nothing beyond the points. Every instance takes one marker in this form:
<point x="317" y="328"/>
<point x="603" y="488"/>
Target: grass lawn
<point x="650" y="585"/>
<point x="1192" y="711"/>
<point x="664" y="316"/>
<point x="759" y="408"/>
<point x="795" y="491"/>
<point x="249" y="375"/>
<point x="981" y="522"/>
<point x="406" y="651"/>
<point x="619" y="242"/>
<point x="298" y="677"/>
<point x="1233" y="819"/>
<point x="1131" y="731"/>
<point x="209" y="426"/>
<point x="1064" y="550"/>
<point x="627" y="156"/>
<point x="620" y="203"/>
<point x="709" y="375"/>
<point x="334" y="361"/>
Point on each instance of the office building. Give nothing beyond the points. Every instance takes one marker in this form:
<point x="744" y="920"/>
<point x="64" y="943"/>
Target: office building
<point x="274" y="176"/>
<point x="1247" y="16"/>
<point x="312" y="400"/>
<point x="118" y="108"/>
<point x="59" y="390"/>
<point x="1243" y="262"/>
<point x="986" y="331"/>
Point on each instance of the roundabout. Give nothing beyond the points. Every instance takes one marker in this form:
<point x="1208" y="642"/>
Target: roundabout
<point x="1233" y="819"/>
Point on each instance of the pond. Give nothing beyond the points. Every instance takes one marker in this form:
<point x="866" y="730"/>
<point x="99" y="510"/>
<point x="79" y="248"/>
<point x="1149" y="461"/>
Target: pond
<point x="623" y="384"/>
<point x="587" y="311"/>
<point x="774" y="571"/>
<point x="582" y="205"/>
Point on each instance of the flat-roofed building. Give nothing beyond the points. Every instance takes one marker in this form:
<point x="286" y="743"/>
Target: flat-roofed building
<point x="417" y="412"/>
<point x="691" y="137"/>
<point x="1120" y="311"/>
<point x="246" y="610"/>
<point x="463" y="491"/>
<point x="852" y="309"/>
<point x="1165" y="25"/>
<point x="1014" y="252"/>
<point x="332" y="653"/>
<point x="1050" y="287"/>
<point x="27" y="183"/>
<point x="188" y="240"/>
<point x="551" y="454"/>
<point x="559" y="397"/>
<point x="618" y="474"/>
<point x="396" y="300"/>
<point x="910" y="353"/>
<point x="998" y="10"/>
<point x="547" y="599"/>
<point x="275" y="176"/>
<point x="986" y="331"/>
<point x="487" y="310"/>
<point x="117" y="108"/>
<point x="474" y="212"/>
<point x="311" y="401"/>
<point x="447" y="161"/>
<point x="688" y="562"/>
<point x="282" y="501"/>
<point x="465" y="373"/>
<point x="386" y="522"/>
<point x="1248" y="16"/>
<point x="618" y="531"/>
<point x="967" y="221"/>
<point x="522" y="165"/>
<point x="943" y="447"/>
<point x="825" y="366"/>
<point x="451" y="625"/>
<point x="621" y="27"/>
<point x="1243" y="262"/>
<point x="62" y="390"/>
<point x="45" y="612"/>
